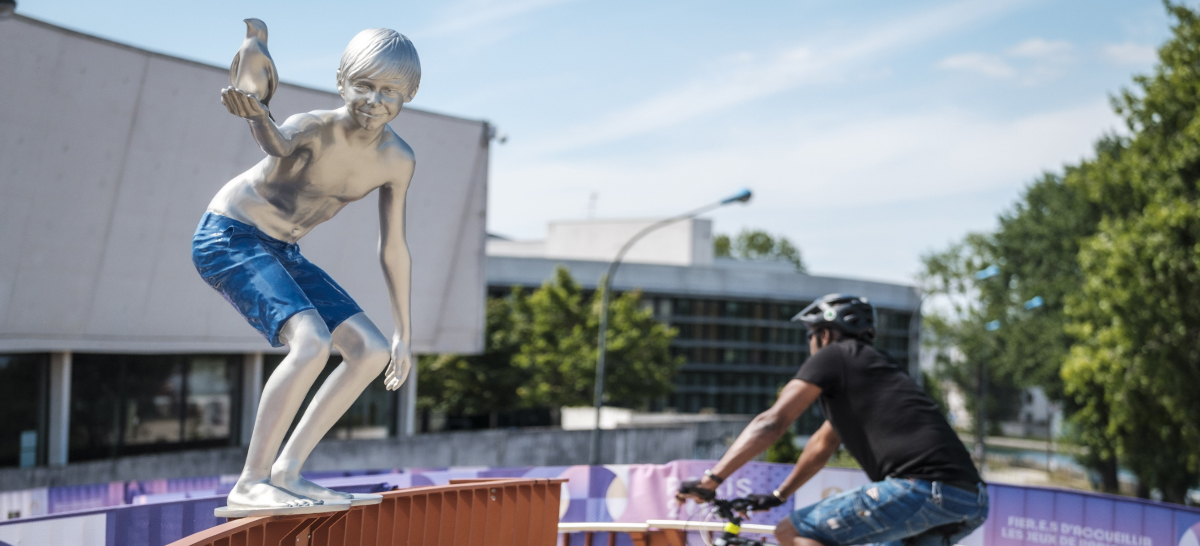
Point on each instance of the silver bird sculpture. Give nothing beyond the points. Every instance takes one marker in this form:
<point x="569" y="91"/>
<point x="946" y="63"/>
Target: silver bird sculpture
<point x="253" y="70"/>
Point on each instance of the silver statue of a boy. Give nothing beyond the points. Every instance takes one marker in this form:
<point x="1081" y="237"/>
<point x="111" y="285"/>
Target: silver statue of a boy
<point x="245" y="247"/>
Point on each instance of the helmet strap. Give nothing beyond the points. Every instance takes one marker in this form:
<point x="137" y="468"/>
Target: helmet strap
<point x="822" y="340"/>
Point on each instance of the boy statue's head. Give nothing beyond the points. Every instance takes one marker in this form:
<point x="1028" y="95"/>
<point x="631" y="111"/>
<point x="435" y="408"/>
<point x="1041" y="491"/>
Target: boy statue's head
<point x="384" y="54"/>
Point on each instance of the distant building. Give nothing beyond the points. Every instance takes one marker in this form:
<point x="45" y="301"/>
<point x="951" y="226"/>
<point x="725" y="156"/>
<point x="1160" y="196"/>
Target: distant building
<point x="734" y="317"/>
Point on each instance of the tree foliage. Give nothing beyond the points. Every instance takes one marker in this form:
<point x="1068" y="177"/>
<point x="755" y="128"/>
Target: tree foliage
<point x="1137" y="366"/>
<point x="1112" y="246"/>
<point x="479" y="384"/>
<point x="784" y="449"/>
<point x="957" y="333"/>
<point x="541" y="350"/>
<point x="758" y="245"/>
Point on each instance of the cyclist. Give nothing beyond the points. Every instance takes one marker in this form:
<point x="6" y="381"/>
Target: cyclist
<point x="925" y="488"/>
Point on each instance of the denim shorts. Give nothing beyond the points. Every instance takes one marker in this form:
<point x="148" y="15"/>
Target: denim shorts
<point x="915" y="512"/>
<point x="266" y="279"/>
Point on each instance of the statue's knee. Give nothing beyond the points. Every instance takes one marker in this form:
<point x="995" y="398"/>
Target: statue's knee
<point x="376" y="355"/>
<point x="314" y="345"/>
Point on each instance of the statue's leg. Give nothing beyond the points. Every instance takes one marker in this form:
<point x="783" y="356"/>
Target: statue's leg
<point x="365" y="353"/>
<point x="309" y="343"/>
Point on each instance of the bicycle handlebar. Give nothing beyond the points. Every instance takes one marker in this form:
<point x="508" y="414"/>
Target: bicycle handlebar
<point x="727" y="507"/>
<point x="728" y="510"/>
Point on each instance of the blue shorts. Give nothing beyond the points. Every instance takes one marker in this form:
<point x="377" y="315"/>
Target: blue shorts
<point x="266" y="279"/>
<point x="917" y="512"/>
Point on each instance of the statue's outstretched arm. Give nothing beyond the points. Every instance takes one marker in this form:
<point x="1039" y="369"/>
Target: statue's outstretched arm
<point x="272" y="140"/>
<point x="397" y="272"/>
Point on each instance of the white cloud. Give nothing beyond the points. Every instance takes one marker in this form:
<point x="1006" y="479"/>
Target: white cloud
<point x="800" y="168"/>
<point x="878" y="160"/>
<point x="1130" y="53"/>
<point x="1037" y="48"/>
<point x="979" y="63"/>
<point x="1030" y="62"/>
<point x="787" y="69"/>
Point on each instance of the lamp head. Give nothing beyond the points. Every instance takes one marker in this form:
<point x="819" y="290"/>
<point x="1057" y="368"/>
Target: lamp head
<point x="743" y="196"/>
<point x="987" y="272"/>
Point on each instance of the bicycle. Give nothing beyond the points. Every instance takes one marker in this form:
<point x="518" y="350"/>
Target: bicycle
<point x="733" y="512"/>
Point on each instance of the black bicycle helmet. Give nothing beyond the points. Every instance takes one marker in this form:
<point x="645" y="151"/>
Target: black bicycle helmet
<point x="851" y="315"/>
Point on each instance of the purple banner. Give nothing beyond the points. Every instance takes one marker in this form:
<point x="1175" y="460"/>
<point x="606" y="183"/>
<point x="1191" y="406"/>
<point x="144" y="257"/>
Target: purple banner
<point x="1027" y="516"/>
<point x="157" y="512"/>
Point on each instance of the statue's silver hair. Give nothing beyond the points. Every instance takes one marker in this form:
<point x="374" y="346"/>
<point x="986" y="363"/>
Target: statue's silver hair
<point x="381" y="53"/>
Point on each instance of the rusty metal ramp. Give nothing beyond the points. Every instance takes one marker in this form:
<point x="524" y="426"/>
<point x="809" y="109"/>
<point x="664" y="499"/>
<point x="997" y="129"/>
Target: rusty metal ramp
<point x="504" y="511"/>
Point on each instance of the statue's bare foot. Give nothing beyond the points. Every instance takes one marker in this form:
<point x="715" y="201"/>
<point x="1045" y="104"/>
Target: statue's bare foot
<point x="302" y="487"/>
<point x="262" y="494"/>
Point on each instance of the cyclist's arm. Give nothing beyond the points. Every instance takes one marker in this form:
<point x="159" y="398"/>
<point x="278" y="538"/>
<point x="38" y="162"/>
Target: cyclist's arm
<point x="767" y="427"/>
<point x="817" y="451"/>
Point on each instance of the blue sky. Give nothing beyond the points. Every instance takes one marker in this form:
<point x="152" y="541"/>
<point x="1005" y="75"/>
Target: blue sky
<point x="871" y="132"/>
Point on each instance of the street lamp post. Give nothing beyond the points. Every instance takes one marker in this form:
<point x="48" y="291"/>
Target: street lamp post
<point x="605" y="287"/>
<point x="981" y="411"/>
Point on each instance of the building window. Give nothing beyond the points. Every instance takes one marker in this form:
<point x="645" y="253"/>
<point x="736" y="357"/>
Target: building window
<point x="23" y="389"/>
<point x="208" y="407"/>
<point x="893" y="320"/>
<point x="664" y="307"/>
<point x="136" y="404"/>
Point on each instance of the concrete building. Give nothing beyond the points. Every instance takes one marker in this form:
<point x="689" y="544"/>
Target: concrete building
<point x="734" y="317"/>
<point x="110" y="343"/>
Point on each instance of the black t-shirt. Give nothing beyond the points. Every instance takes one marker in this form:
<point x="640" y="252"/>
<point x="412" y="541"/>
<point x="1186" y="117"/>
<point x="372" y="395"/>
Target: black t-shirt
<point x="885" y="420"/>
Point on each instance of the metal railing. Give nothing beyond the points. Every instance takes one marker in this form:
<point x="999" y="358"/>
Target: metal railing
<point x="654" y="532"/>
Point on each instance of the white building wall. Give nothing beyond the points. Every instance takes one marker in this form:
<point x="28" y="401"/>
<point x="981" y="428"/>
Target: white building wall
<point x="688" y="242"/>
<point x="109" y="156"/>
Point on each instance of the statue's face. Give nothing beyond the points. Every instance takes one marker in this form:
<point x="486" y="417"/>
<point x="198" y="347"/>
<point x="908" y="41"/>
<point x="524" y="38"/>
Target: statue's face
<point x="373" y="102"/>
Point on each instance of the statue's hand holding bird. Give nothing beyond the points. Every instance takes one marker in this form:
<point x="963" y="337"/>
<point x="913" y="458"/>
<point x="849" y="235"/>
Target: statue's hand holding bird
<point x="242" y="104"/>
<point x="252" y="71"/>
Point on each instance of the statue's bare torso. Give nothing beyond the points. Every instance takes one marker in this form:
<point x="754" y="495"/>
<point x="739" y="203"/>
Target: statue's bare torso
<point x="287" y="197"/>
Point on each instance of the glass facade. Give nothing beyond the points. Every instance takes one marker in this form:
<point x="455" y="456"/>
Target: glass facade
<point x="738" y="353"/>
<point x="138" y="404"/>
<point x="135" y="404"/>
<point x="24" y="386"/>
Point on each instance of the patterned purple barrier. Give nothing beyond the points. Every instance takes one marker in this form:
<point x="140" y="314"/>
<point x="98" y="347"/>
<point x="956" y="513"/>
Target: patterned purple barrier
<point x="1020" y="516"/>
<point x="1028" y="516"/>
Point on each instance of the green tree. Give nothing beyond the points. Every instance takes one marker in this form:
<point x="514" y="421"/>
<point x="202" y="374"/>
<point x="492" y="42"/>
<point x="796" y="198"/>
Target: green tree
<point x="1035" y="250"/>
<point x="558" y="328"/>
<point x="480" y="384"/>
<point x="1111" y="247"/>
<point x="784" y="449"/>
<point x="540" y="351"/>
<point x="758" y="245"/>
<point x="1136" y="369"/>
<point x="957" y="334"/>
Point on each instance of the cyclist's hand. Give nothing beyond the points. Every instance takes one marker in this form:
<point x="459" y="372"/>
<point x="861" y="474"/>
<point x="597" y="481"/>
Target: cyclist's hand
<point x="691" y="490"/>
<point x="763" y="502"/>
